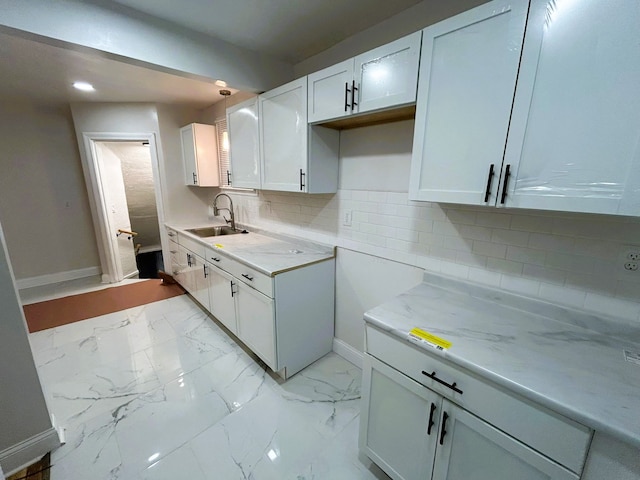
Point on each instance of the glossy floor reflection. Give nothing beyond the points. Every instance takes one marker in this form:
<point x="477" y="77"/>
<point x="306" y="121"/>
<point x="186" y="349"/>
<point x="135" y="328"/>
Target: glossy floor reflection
<point x="161" y="392"/>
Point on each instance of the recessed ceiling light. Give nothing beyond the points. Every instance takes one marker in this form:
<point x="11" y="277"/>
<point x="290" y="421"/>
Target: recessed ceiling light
<point x="221" y="83"/>
<point x="84" y="86"/>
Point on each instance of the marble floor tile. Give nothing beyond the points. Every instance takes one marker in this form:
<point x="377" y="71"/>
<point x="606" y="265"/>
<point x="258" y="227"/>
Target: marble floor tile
<point x="102" y="389"/>
<point x="161" y="391"/>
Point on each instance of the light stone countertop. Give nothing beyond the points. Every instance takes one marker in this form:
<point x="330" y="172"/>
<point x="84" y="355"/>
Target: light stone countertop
<point x="572" y="362"/>
<point x="266" y="252"/>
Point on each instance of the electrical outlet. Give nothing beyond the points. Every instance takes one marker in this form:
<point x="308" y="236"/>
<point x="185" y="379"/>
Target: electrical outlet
<point x="633" y="256"/>
<point x="348" y="217"/>
<point x="629" y="260"/>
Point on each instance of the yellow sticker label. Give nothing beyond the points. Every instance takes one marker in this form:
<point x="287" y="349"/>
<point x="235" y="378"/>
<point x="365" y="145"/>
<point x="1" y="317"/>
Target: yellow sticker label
<point x="417" y="334"/>
<point x="217" y="245"/>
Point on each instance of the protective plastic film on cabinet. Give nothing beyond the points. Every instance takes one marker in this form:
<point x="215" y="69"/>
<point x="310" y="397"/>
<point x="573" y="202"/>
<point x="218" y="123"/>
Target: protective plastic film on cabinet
<point x="574" y="139"/>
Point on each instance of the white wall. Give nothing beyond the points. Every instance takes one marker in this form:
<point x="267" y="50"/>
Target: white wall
<point x="23" y="411"/>
<point x="43" y="200"/>
<point x="133" y="37"/>
<point x="566" y="258"/>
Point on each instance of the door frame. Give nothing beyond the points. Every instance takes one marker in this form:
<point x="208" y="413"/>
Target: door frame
<point x="109" y="262"/>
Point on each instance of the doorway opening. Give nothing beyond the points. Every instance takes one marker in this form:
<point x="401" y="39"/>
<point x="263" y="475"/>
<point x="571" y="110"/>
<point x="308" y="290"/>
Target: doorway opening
<point x="130" y="194"/>
<point x="124" y="182"/>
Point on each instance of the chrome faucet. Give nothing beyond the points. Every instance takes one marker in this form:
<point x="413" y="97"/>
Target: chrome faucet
<point x="216" y="209"/>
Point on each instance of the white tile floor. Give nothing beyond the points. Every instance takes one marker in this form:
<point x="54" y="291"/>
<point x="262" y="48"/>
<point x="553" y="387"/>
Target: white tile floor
<point x="162" y="392"/>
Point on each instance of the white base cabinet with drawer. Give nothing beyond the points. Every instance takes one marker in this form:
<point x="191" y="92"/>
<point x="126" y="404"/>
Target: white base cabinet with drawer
<point x="424" y="419"/>
<point x="287" y="320"/>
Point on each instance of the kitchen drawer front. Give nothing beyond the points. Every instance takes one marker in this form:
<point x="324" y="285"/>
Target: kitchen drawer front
<point x="193" y="245"/>
<point x="214" y="257"/>
<point x="553" y="435"/>
<point x="261" y="282"/>
<point x="172" y="234"/>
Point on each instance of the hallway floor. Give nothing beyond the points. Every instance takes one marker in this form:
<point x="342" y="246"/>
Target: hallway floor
<point x="161" y="392"/>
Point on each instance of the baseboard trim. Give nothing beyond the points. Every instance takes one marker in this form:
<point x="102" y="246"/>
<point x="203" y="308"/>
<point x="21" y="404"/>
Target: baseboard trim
<point x="57" y="277"/>
<point x="348" y="352"/>
<point x="23" y="454"/>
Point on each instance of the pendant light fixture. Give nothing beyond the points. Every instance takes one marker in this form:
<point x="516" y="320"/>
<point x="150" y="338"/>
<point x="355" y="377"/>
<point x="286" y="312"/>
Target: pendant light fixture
<point x="225" y="135"/>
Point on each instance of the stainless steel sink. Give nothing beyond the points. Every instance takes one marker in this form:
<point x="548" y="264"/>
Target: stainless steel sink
<point x="214" y="231"/>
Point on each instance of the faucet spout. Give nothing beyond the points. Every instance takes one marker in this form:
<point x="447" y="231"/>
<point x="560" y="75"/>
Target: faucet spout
<point x="216" y="209"/>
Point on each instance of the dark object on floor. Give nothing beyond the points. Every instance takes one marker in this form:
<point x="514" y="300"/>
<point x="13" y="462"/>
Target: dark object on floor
<point x="62" y="311"/>
<point x="149" y="263"/>
<point x="37" y="471"/>
<point x="166" y="278"/>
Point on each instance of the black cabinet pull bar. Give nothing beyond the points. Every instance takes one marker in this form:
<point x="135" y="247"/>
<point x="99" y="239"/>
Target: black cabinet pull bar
<point x="443" y="430"/>
<point x="452" y="386"/>
<point x="431" y="422"/>
<point x="487" y="192"/>
<point x="507" y="174"/>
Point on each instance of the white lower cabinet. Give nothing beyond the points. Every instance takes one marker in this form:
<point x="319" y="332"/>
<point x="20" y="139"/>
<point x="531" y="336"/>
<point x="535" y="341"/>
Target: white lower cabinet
<point x="256" y="323"/>
<point x="193" y="273"/>
<point x="457" y="430"/>
<point x="222" y="291"/>
<point x="287" y="320"/>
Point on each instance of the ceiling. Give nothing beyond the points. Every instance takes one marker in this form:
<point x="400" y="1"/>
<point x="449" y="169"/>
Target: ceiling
<point x="291" y="30"/>
<point x="44" y="73"/>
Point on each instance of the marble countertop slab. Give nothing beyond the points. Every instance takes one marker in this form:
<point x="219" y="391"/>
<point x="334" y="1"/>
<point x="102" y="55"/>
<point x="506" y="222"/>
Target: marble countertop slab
<point x="541" y="351"/>
<point x="267" y="253"/>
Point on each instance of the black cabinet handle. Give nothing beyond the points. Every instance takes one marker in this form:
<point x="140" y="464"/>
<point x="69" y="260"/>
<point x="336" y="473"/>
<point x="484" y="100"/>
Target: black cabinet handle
<point x="188" y="259"/>
<point x="487" y="192"/>
<point x="231" y="285"/>
<point x="215" y="259"/>
<point x="248" y="277"/>
<point x="346" y="96"/>
<point x="195" y="178"/>
<point x="507" y="174"/>
<point x="204" y="268"/>
<point x="431" y="422"/>
<point x="452" y="386"/>
<point x="228" y="177"/>
<point x="354" y="89"/>
<point x="443" y="430"/>
<point x="302" y="185"/>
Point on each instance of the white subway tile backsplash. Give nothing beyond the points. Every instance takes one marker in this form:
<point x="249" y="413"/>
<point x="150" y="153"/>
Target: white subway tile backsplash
<point x="493" y="220"/>
<point x="474" y="233"/>
<point x="510" y="237"/>
<point x="484" y="277"/>
<point x="530" y="223"/>
<point x="569" y="262"/>
<point x="489" y="249"/>
<point x="505" y="266"/>
<point x="566" y="258"/>
<point x="526" y="255"/>
<point x="523" y="286"/>
<point x="471" y="259"/>
<point x="544" y="274"/>
<point x="407" y="235"/>
<point x="553" y="243"/>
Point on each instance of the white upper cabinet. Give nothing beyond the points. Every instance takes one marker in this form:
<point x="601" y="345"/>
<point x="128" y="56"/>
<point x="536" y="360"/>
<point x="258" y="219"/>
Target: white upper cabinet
<point x="565" y="138"/>
<point x="244" y="147"/>
<point x="574" y="140"/>
<point x="200" y="155"/>
<point x="382" y="78"/>
<point x="295" y="157"/>
<point x="468" y="75"/>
